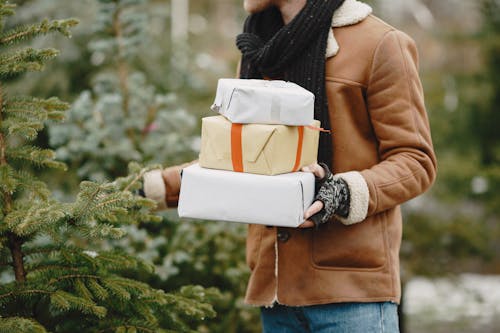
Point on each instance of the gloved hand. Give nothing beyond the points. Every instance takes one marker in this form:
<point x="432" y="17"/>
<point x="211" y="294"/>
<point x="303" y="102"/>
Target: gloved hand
<point x="334" y="194"/>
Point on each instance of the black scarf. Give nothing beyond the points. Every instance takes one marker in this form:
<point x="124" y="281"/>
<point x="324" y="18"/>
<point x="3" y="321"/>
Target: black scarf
<point x="294" y="52"/>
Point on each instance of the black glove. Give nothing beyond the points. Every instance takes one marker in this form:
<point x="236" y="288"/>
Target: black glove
<point x="335" y="196"/>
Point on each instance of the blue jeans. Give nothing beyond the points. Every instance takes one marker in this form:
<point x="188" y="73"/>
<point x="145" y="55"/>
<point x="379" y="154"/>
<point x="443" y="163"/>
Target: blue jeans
<point x="331" y="318"/>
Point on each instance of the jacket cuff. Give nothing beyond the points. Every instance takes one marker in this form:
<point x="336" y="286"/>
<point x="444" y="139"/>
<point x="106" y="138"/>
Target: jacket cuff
<point x="359" y="195"/>
<point x="154" y="188"/>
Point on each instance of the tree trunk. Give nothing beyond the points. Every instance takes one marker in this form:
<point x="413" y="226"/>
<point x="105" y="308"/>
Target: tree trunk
<point x="14" y="241"/>
<point x="15" y="244"/>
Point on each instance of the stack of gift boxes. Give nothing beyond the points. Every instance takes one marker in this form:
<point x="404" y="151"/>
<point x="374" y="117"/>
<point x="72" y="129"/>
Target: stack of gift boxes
<point x="251" y="156"/>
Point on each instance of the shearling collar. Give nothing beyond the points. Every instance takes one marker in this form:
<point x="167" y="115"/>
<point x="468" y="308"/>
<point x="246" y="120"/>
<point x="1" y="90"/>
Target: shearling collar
<point x="350" y="12"/>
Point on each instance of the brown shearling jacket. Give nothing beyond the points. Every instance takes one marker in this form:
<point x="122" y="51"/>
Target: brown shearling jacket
<point x="382" y="148"/>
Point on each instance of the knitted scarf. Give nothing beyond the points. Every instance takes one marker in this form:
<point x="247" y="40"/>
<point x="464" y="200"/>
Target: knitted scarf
<point x="294" y="52"/>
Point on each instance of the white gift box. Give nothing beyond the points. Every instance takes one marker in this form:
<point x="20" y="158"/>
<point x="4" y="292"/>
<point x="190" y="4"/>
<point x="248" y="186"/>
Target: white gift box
<point x="264" y="102"/>
<point x="246" y="198"/>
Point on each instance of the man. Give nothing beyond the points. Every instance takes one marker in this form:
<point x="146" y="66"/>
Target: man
<point x="338" y="272"/>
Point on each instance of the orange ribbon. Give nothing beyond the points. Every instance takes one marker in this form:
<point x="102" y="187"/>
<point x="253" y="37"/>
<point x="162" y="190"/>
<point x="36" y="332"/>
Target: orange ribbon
<point x="319" y="129"/>
<point x="298" y="155"/>
<point x="237" y="147"/>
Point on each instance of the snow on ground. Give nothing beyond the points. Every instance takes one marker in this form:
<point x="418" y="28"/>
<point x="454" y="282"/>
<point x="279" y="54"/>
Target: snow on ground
<point x="466" y="303"/>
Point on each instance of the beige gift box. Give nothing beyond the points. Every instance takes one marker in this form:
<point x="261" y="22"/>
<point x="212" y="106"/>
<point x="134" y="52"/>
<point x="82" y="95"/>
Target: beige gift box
<point x="257" y="148"/>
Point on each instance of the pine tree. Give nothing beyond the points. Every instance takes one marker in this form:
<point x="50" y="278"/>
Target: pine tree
<point x="123" y="118"/>
<point x="98" y="137"/>
<point x="50" y="279"/>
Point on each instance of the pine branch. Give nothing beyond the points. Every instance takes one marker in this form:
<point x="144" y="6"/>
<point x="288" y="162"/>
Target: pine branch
<point x="129" y="328"/>
<point x="66" y="258"/>
<point x="73" y="276"/>
<point x="95" y="261"/>
<point x="27" y="130"/>
<point x="98" y="203"/>
<point x="8" y="185"/>
<point x="121" y="293"/>
<point x="110" y="202"/>
<point x="6" y="9"/>
<point x="28" y="291"/>
<point x="82" y="290"/>
<point x="97" y="290"/>
<point x="23" y="33"/>
<point x="29" y="221"/>
<point x="136" y="179"/>
<point x="62" y="250"/>
<point x="131" y="324"/>
<point x="26" y="114"/>
<point x="36" y="156"/>
<point x="50" y="250"/>
<point x="144" y="310"/>
<point x="49" y="104"/>
<point x="100" y="231"/>
<point x="89" y="194"/>
<point x="29" y="108"/>
<point x="40" y="269"/>
<point x="36" y="189"/>
<point x="26" y="60"/>
<point x="117" y="262"/>
<point x="64" y="301"/>
<point x="20" y="325"/>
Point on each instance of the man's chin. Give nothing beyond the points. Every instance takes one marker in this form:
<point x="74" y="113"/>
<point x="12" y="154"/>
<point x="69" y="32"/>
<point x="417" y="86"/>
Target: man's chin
<point x="256" y="6"/>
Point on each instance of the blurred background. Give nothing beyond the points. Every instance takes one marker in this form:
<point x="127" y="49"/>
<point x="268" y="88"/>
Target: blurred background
<point x="154" y="64"/>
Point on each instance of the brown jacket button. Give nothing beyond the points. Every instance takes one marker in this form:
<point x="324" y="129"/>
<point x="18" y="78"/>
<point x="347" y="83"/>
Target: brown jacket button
<point x="283" y="235"/>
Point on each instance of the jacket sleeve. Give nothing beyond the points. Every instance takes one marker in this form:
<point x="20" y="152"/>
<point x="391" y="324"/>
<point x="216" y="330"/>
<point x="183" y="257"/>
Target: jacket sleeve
<point x="396" y="106"/>
<point x="163" y="186"/>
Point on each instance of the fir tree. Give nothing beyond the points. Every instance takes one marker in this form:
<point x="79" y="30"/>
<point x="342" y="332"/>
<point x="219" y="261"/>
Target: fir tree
<point x="123" y="118"/>
<point x="50" y="281"/>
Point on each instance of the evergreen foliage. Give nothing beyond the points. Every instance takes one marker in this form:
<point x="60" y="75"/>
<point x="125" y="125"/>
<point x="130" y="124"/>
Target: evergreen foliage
<point x="485" y="121"/>
<point x="199" y="252"/>
<point x="456" y="228"/>
<point x="123" y="118"/>
<point x="51" y="280"/>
